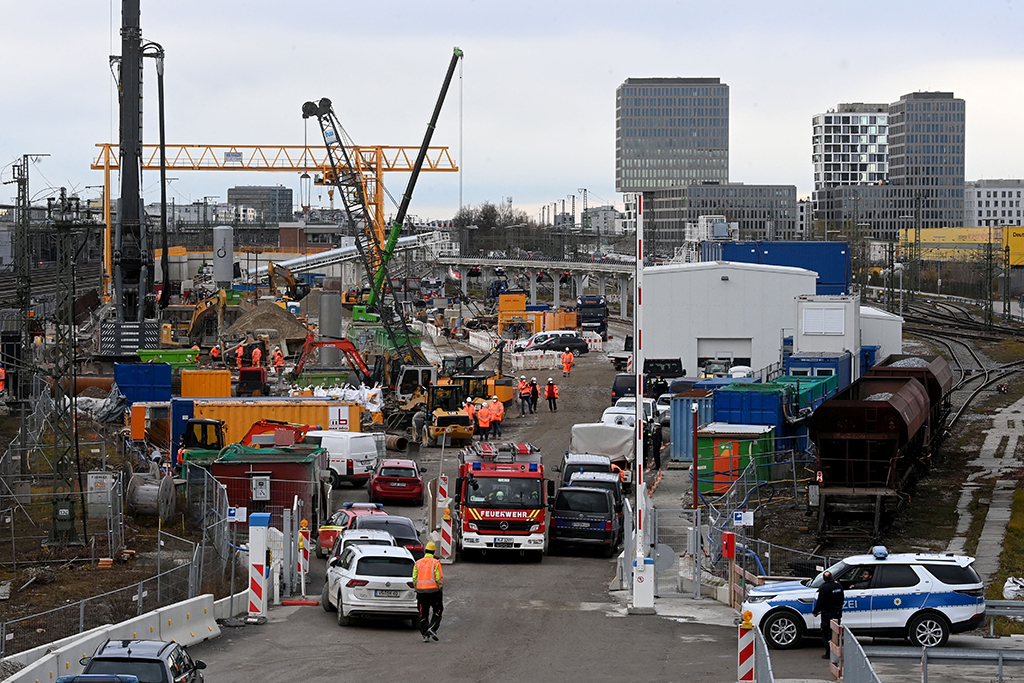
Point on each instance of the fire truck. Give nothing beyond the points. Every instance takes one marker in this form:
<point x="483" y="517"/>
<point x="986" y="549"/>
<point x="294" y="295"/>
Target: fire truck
<point x="500" y="500"/>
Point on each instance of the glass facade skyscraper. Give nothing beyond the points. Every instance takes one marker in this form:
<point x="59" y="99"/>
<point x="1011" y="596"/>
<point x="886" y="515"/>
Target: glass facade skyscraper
<point x="671" y="132"/>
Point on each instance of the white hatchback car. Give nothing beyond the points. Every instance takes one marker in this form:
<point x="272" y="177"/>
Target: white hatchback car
<point x="370" y="580"/>
<point x="920" y="597"/>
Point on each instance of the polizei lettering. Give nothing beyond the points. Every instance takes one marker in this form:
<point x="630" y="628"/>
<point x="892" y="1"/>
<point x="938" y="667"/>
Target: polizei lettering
<point x="505" y="514"/>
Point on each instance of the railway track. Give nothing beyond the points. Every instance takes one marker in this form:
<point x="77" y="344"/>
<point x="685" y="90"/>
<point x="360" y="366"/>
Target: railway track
<point x="44" y="282"/>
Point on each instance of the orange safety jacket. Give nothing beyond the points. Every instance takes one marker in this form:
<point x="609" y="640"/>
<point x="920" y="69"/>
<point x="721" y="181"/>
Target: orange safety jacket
<point x="215" y="352"/>
<point x="278" y="358"/>
<point x="551" y="391"/>
<point x="567" y="358"/>
<point x="498" y="411"/>
<point x="3" y="379"/>
<point x="524" y="388"/>
<point x="427" y="575"/>
<point x="257" y="356"/>
<point x="471" y="410"/>
<point x="483" y="416"/>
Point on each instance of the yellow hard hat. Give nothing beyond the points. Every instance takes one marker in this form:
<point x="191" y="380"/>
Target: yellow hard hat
<point x="430" y="547"/>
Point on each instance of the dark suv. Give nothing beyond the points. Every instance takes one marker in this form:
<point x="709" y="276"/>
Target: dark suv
<point x="585" y="517"/>
<point x="575" y="344"/>
<point x="150" y="661"/>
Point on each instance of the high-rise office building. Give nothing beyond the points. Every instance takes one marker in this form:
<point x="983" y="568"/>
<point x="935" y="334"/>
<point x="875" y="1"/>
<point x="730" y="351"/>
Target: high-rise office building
<point x="671" y="132"/>
<point x="924" y="178"/>
<point x="850" y="145"/>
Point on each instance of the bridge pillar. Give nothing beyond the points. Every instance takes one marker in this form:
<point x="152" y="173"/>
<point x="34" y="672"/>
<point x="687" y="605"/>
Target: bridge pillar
<point x="556" y="288"/>
<point x="578" y="280"/>
<point x="602" y="283"/>
<point x="533" y="288"/>
<point x="464" y="279"/>
<point x="623" y="296"/>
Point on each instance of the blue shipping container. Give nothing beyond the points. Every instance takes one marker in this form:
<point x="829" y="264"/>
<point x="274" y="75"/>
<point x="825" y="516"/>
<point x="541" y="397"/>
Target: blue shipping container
<point x="143" y="382"/>
<point x="830" y="260"/>
<point x="182" y="410"/>
<point x="681" y="431"/>
<point x="818" y="364"/>
<point x="750" y="407"/>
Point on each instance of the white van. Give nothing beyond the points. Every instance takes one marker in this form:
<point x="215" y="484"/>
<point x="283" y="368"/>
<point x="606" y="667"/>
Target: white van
<point x="350" y="455"/>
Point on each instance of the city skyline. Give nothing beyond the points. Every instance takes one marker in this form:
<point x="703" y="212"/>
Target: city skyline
<point x="539" y="88"/>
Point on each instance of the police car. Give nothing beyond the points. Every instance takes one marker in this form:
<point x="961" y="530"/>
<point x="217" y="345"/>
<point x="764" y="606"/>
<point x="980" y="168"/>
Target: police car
<point x="920" y="597"/>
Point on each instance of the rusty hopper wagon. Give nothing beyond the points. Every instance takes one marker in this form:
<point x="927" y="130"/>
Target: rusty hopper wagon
<point x="873" y="441"/>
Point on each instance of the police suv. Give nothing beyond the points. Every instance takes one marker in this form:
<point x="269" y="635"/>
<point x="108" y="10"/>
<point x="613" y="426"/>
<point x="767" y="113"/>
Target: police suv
<point x="920" y="597"/>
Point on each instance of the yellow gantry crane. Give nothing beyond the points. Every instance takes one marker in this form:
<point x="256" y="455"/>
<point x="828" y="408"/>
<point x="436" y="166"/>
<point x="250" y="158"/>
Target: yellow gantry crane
<point x="370" y="163"/>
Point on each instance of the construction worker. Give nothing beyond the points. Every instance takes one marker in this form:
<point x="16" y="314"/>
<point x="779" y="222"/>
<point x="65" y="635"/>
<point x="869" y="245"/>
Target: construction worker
<point x="534" y="394"/>
<point x="429" y="581"/>
<point x="551" y="394"/>
<point x="471" y="410"/>
<point x="567" y="359"/>
<point x="215" y="353"/>
<point x="257" y="356"/>
<point x="483" y="418"/>
<point x="278" y="360"/>
<point x="3" y="379"/>
<point x="524" y="396"/>
<point x="239" y="353"/>
<point x="497" y="415"/>
<point x="419" y="421"/>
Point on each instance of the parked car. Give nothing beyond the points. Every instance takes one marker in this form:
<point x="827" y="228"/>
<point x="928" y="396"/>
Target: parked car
<point x="360" y="537"/>
<point x="340" y="521"/>
<point x="617" y="415"/>
<point x="576" y="344"/>
<point x="602" y="480"/>
<point x="663" y="405"/>
<point x="150" y="661"/>
<point x="624" y="384"/>
<point x="541" y="337"/>
<point x="585" y="517"/>
<point x="401" y="529"/>
<point x="629" y="403"/>
<point x="351" y="456"/>
<point x="923" y="598"/>
<point x="396" y="479"/>
<point x="370" y="580"/>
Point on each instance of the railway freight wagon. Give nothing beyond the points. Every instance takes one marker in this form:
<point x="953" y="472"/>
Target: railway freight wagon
<point x="871" y="445"/>
<point x="936" y="376"/>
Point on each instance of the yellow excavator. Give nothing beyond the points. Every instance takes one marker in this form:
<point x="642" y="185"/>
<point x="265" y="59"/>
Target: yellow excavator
<point x="297" y="289"/>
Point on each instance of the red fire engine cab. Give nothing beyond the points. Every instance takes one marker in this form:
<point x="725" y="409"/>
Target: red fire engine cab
<point x="500" y="501"/>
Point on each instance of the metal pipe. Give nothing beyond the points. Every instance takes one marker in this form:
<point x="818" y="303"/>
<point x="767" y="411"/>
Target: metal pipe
<point x="393" y="442"/>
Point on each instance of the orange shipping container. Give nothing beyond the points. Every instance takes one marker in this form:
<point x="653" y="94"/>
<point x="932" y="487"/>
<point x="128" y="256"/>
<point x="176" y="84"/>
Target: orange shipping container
<point x="512" y="302"/>
<point x="205" y="383"/>
<point x="238" y="414"/>
<point x="559" y="320"/>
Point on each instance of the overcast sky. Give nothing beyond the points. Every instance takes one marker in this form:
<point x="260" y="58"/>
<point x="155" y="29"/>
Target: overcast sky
<point x="538" y="88"/>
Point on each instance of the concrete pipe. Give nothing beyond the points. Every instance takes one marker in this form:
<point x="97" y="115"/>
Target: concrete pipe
<point x="396" y="443"/>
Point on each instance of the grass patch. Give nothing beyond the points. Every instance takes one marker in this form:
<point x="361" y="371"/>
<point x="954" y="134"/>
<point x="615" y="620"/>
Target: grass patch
<point x="1005" y="352"/>
<point x="1011" y="563"/>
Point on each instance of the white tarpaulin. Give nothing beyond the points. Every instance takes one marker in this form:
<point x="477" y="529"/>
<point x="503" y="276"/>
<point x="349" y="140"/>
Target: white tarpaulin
<point x="615" y="441"/>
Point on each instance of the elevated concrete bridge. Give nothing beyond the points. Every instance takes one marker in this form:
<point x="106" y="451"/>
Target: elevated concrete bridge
<point x="604" y="273"/>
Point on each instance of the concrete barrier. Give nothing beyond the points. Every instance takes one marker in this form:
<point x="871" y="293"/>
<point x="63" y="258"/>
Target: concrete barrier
<point x="229" y="607"/>
<point x="186" y="623"/>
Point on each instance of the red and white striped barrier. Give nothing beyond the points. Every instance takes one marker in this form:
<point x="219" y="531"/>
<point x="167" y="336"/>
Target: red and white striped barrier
<point x="442" y="487"/>
<point x="745" y="653"/>
<point x="446" y="536"/>
<point x="259" y="523"/>
<point x="593" y="340"/>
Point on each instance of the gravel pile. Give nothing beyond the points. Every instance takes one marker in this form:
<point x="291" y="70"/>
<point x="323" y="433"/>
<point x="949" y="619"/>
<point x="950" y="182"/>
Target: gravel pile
<point x="268" y="316"/>
<point x="880" y="396"/>
<point x="910" y="363"/>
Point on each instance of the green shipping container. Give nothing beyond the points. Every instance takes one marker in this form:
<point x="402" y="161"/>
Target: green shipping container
<point x="178" y="358"/>
<point x="724" y="451"/>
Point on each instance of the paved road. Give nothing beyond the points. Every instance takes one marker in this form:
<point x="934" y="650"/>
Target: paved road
<point x="505" y="618"/>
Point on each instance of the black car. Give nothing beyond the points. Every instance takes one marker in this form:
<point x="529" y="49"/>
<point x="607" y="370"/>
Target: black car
<point x="401" y="529"/>
<point x="150" y="661"/>
<point x="577" y="345"/>
<point x="585" y="517"/>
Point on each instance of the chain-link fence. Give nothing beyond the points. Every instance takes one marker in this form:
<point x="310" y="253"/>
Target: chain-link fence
<point x="26" y="633"/>
<point x="674" y="549"/>
<point x="206" y="501"/>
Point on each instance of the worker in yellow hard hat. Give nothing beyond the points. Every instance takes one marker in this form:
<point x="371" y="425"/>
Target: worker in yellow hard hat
<point x="428" y="579"/>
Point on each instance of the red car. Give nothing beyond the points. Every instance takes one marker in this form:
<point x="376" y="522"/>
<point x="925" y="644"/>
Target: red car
<point x="340" y="521"/>
<point x="396" y="480"/>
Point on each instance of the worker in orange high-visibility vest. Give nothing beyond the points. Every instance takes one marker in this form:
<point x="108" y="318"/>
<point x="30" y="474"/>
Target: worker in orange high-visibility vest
<point x="3" y="379"/>
<point x="428" y="579"/>
<point x="524" y="396"/>
<point x="483" y="418"/>
<point x="239" y="353"/>
<point x="278" y="359"/>
<point x="497" y="415"/>
<point x="471" y="411"/>
<point x="257" y="356"/>
<point x="551" y="394"/>
<point x="567" y="359"/>
<point x="215" y="353"/>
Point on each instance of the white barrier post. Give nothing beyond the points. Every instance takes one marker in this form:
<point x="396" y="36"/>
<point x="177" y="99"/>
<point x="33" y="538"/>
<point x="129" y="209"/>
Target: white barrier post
<point x="303" y="558"/>
<point x="259" y="523"/>
<point x="745" y="650"/>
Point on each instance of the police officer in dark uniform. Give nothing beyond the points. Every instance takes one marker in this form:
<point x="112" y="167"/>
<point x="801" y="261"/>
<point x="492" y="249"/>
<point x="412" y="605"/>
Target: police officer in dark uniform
<point x="829" y="603"/>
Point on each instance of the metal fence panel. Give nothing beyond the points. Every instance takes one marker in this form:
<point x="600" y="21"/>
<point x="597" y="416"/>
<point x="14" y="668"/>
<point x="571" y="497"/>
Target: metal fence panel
<point x="762" y="659"/>
<point x="856" y="666"/>
<point x="673" y="530"/>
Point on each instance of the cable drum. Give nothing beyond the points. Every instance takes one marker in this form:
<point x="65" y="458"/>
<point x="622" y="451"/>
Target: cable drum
<point x="148" y="496"/>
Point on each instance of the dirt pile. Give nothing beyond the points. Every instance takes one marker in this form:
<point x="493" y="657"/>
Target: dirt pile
<point x="268" y="316"/>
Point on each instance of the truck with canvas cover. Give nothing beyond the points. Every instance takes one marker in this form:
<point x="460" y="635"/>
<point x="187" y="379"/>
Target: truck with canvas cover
<point x="617" y="442"/>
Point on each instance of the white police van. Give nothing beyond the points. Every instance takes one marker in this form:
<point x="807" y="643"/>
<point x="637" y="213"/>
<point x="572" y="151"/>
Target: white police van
<point x="920" y="597"/>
